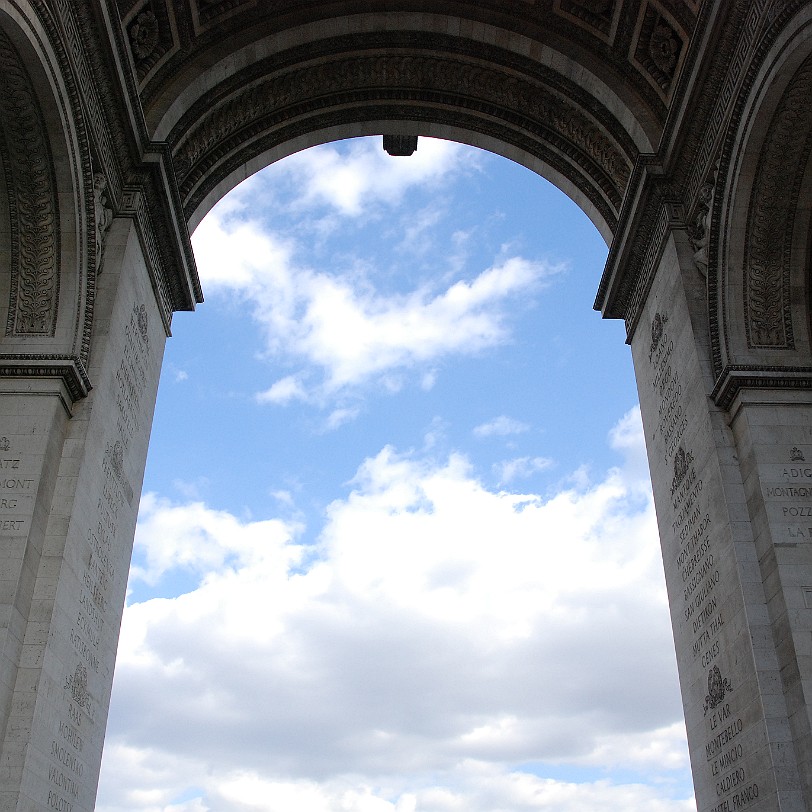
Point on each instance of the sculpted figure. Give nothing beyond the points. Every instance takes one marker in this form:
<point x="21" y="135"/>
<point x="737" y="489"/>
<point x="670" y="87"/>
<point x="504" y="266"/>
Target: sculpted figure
<point x="104" y="215"/>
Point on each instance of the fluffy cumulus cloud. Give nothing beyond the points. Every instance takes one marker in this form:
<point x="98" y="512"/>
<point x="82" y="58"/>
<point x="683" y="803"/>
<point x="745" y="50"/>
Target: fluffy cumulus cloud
<point x="338" y="328"/>
<point x="441" y="647"/>
<point x="354" y="181"/>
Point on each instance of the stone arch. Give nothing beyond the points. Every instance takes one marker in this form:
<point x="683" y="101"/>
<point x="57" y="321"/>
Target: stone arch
<point x="667" y="121"/>
<point x="759" y="285"/>
<point x="46" y="303"/>
<point x="234" y="104"/>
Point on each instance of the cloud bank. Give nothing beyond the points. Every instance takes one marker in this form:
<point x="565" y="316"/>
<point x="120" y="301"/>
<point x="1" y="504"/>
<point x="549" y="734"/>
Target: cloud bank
<point x="442" y="646"/>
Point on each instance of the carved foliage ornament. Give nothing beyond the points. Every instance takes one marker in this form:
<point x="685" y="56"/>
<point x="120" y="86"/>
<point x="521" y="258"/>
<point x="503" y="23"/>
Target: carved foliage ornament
<point x="32" y="197"/>
<point x="150" y="36"/>
<point x="475" y="83"/>
<point x="771" y="219"/>
<point x="659" y="48"/>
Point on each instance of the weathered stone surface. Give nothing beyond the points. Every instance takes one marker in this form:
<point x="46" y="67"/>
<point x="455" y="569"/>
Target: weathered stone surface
<point x="680" y="128"/>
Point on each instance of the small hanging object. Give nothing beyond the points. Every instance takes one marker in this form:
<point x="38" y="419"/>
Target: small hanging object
<point x="400" y="145"/>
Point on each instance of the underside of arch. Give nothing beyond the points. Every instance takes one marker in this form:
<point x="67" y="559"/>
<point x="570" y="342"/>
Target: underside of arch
<point x="444" y="83"/>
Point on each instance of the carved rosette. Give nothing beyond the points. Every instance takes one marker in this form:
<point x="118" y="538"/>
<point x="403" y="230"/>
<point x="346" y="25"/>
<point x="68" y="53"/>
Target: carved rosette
<point x="33" y="208"/>
<point x="149" y="32"/>
<point x="771" y="218"/>
<point x="659" y="50"/>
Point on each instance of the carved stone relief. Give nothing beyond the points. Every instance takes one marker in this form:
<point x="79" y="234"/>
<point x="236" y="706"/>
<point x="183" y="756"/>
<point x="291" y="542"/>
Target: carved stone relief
<point x="771" y="218"/>
<point x="660" y="48"/>
<point x="33" y="204"/>
<point x="104" y="215"/>
<point x="150" y="36"/>
<point x="251" y="112"/>
<point x="699" y="228"/>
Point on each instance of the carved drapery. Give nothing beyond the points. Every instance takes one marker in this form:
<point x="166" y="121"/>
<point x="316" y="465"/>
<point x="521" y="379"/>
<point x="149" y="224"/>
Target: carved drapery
<point x="33" y="210"/>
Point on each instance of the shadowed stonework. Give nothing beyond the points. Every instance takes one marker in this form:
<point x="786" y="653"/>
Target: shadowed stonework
<point x="682" y="129"/>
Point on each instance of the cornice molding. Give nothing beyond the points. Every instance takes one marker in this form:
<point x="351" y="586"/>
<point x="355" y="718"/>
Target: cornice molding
<point x="735" y="378"/>
<point x="68" y="369"/>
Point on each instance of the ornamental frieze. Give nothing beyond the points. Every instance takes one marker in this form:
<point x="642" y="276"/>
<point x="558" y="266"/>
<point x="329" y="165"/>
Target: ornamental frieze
<point x="461" y="85"/>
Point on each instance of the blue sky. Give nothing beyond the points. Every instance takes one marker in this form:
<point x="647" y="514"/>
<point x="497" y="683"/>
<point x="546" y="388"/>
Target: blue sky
<point x="396" y="549"/>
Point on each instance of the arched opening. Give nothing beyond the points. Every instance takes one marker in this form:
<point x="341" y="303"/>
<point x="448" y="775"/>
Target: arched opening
<point x="427" y="654"/>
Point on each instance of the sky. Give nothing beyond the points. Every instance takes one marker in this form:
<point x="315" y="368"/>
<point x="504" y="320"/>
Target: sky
<point x="396" y="549"/>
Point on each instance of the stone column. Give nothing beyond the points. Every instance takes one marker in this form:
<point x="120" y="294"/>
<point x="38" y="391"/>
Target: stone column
<point x="732" y="505"/>
<point x="70" y="480"/>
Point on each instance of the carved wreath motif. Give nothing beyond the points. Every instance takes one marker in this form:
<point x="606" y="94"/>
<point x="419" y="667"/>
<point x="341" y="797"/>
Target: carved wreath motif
<point x="32" y="202"/>
<point x="659" y="48"/>
<point x="718" y="688"/>
<point x="682" y="464"/>
<point x="144" y="34"/>
<point x="657" y="328"/>
<point x="77" y="684"/>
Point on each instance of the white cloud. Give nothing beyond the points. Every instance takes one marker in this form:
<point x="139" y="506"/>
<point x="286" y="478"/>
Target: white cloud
<point x="334" y="327"/>
<point x="341" y="325"/>
<point x="354" y="181"/>
<point x="439" y="635"/>
<point x="283" y="391"/>
<point x="521" y="467"/>
<point x="500" y="426"/>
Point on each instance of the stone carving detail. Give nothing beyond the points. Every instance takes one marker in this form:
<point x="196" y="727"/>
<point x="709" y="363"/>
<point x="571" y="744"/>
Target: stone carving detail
<point x="682" y="464"/>
<point x="657" y="326"/>
<point x="143" y="322"/>
<point x="796" y="455"/>
<point x="472" y="84"/>
<point x="594" y="13"/>
<point x="699" y="229"/>
<point x="150" y="36"/>
<point x="5" y="445"/>
<point x="144" y="36"/>
<point x="771" y="219"/>
<point x="77" y="684"/>
<point x="659" y="48"/>
<point x="718" y="688"/>
<point x="32" y="202"/>
<point x="114" y="461"/>
<point x="104" y="215"/>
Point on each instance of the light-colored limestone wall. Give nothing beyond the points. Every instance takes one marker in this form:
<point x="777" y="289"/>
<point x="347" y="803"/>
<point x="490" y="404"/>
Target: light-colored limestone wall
<point x="735" y="709"/>
<point x="773" y="431"/>
<point x="53" y="746"/>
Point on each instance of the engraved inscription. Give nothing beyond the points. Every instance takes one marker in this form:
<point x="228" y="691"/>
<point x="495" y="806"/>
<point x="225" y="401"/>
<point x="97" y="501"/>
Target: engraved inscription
<point x="787" y="491"/>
